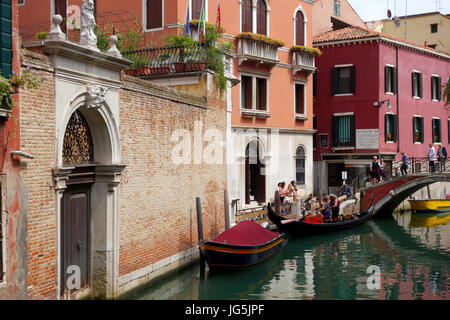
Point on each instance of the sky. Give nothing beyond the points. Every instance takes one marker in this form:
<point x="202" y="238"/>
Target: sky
<point x="370" y="10"/>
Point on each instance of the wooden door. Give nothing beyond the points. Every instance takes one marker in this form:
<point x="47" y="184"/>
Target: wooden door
<point x="75" y="233"/>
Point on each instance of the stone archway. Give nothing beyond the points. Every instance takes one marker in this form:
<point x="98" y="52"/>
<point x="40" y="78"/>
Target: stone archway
<point x="101" y="173"/>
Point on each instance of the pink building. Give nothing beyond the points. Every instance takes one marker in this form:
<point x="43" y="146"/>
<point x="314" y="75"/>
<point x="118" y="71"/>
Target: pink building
<point x="375" y="95"/>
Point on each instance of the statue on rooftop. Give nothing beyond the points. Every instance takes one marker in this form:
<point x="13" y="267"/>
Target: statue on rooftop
<point x="87" y="34"/>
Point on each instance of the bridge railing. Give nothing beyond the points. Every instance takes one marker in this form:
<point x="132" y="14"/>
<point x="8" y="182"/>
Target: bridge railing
<point x="416" y="165"/>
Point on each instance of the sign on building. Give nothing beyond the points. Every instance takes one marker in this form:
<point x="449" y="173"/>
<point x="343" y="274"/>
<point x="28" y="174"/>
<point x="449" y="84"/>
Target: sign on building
<point x="367" y="139"/>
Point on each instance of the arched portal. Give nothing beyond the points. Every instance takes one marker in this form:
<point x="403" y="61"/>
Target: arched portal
<point x="86" y="177"/>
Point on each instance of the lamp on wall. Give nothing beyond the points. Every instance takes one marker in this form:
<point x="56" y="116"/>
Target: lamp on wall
<point x="379" y="104"/>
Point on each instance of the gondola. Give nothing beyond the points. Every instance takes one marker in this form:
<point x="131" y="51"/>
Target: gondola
<point x="241" y="246"/>
<point x="298" y="227"/>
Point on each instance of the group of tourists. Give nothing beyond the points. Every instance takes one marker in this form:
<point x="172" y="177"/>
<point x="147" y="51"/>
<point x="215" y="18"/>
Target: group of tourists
<point x="377" y="170"/>
<point x="287" y="194"/>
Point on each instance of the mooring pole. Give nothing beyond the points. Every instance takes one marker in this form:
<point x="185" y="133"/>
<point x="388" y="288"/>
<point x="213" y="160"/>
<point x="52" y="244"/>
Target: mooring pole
<point x="227" y="210"/>
<point x="200" y="234"/>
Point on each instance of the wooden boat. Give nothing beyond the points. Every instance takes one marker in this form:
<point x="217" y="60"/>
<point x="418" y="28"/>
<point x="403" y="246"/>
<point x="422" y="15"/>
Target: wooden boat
<point x="429" y="205"/>
<point x="299" y="227"/>
<point x="243" y="245"/>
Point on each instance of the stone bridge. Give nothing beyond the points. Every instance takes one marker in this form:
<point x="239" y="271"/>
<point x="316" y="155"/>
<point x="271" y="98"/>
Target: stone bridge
<point x="388" y="195"/>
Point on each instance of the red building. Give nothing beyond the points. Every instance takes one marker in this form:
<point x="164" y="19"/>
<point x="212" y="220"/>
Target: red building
<point x="375" y="95"/>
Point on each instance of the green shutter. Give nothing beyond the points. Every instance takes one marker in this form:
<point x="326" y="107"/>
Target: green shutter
<point x="439" y="89"/>
<point x="386" y="78"/>
<point x="352" y="79"/>
<point x="422" y="131"/>
<point x="334" y="131"/>
<point x="420" y="85"/>
<point x="6" y="53"/>
<point x="395" y="80"/>
<point x="394" y="127"/>
<point x="386" y="127"/>
<point x="334" y="81"/>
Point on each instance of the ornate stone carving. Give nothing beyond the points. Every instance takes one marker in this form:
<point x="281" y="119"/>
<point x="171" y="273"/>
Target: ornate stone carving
<point x="87" y="35"/>
<point x="95" y="96"/>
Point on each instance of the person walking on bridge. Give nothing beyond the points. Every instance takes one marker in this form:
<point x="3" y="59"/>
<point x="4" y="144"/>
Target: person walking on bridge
<point x="431" y="158"/>
<point x="404" y="166"/>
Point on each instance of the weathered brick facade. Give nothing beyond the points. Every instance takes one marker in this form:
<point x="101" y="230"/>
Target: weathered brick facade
<point x="157" y="214"/>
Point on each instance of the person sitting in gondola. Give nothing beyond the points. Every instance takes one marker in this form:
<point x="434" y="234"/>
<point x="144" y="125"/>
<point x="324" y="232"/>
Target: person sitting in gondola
<point x="334" y="205"/>
<point x="326" y="210"/>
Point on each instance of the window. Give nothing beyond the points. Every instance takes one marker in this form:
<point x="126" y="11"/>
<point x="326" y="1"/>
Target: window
<point x="247" y="16"/>
<point x="196" y="9"/>
<point x="337" y="8"/>
<point x="390" y="79"/>
<point x="299" y="28"/>
<point x="343" y="80"/>
<point x="343" y="131"/>
<point x="436" y="88"/>
<point x="416" y="77"/>
<point x="60" y="7"/>
<point x="154" y="14"/>
<point x="436" y="124"/>
<point x="300" y="98"/>
<point x="246" y="92"/>
<point x="390" y="127"/>
<point x="300" y="166"/>
<point x="434" y="27"/>
<point x="432" y="46"/>
<point x="21" y="2"/>
<point x="6" y="52"/>
<point x="324" y="141"/>
<point x="261" y="24"/>
<point x="253" y="87"/>
<point x="418" y="132"/>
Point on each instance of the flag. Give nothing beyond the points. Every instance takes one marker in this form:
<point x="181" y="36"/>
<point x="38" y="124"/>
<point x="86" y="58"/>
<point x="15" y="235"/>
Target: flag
<point x="218" y="15"/>
<point x="201" y="24"/>
<point x="188" y="27"/>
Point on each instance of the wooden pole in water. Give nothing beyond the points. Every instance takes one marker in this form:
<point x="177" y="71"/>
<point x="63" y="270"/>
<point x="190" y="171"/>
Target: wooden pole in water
<point x="227" y="210"/>
<point x="200" y="234"/>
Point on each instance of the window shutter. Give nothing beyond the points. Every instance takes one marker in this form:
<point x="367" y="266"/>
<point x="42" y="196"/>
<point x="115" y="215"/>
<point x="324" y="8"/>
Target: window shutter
<point x="196" y="9"/>
<point x="394" y="127"/>
<point x="261" y="26"/>
<point x="412" y="84"/>
<point x="334" y="80"/>
<point x="154" y="14"/>
<point x="439" y="89"/>
<point x="439" y="130"/>
<point x="247" y="17"/>
<point x="262" y="91"/>
<point x="433" y="89"/>
<point x="6" y="54"/>
<point x="395" y="81"/>
<point x="420" y="84"/>
<point x="334" y="131"/>
<point x="386" y="78"/>
<point x="248" y="92"/>
<point x="299" y="29"/>
<point x="352" y="79"/>
<point x="422" y="132"/>
<point x="386" y="119"/>
<point x="352" y="131"/>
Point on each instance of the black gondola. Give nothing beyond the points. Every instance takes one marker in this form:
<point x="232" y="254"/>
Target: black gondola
<point x="241" y="246"/>
<point x="298" y="227"/>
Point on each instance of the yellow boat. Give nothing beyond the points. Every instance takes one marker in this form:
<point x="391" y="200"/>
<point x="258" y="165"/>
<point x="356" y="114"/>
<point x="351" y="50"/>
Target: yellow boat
<point x="429" y="205"/>
<point x="429" y="219"/>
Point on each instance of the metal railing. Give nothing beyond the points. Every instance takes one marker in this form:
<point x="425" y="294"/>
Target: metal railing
<point x="164" y="61"/>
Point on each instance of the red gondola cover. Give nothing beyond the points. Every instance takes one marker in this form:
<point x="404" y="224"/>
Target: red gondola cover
<point x="246" y="233"/>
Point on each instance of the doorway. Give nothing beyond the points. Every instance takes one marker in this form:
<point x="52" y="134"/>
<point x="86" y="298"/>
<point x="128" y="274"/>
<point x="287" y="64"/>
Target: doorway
<point x="255" y="180"/>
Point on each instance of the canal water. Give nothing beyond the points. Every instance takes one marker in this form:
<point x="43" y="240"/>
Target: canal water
<point x="406" y="256"/>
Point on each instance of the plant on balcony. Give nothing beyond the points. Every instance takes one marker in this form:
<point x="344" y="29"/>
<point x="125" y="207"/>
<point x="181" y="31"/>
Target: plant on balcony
<point x="29" y="79"/>
<point x="194" y="24"/>
<point x="307" y="50"/>
<point x="260" y="38"/>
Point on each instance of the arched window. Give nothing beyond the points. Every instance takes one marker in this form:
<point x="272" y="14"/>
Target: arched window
<point x="77" y="145"/>
<point x="247" y="17"/>
<point x="299" y="28"/>
<point x="261" y="26"/>
<point x="300" y="166"/>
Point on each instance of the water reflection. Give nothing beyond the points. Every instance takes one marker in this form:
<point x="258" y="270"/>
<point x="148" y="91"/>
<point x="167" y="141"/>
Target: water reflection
<point x="412" y="255"/>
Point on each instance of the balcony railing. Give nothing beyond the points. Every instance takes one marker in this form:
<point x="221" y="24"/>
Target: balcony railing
<point x="166" y="61"/>
<point x="302" y="61"/>
<point x="257" y="52"/>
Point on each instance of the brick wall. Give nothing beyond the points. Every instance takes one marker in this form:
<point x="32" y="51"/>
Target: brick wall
<point x="157" y="198"/>
<point x="37" y="138"/>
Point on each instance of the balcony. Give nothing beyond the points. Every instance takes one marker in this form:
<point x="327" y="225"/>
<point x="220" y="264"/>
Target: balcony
<point x="303" y="59"/>
<point x="153" y="63"/>
<point x="258" y="49"/>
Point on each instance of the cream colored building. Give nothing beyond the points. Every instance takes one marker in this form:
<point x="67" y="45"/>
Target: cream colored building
<point x="431" y="29"/>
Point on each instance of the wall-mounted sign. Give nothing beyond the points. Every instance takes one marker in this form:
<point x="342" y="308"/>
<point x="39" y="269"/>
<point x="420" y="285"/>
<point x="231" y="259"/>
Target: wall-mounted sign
<point x="367" y="139"/>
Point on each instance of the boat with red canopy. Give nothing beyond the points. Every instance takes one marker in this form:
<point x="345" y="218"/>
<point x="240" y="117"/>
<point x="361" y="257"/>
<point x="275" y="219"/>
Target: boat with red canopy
<point x="243" y="245"/>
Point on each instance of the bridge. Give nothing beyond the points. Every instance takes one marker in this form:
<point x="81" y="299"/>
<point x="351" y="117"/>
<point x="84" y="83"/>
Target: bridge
<point x="389" y="194"/>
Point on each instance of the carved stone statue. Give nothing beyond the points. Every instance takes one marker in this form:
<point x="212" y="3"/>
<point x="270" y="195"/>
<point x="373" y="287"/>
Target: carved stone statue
<point x="87" y="35"/>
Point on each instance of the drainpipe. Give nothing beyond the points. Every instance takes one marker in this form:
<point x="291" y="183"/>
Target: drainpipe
<point x="396" y="94"/>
